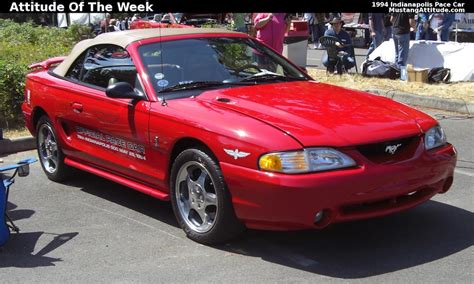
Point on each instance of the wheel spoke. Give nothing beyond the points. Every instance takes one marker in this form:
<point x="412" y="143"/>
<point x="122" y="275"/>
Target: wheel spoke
<point x="44" y="133"/>
<point x="186" y="204"/>
<point x="52" y="164"/>
<point x="54" y="146"/>
<point x="202" y="179"/>
<point x="210" y="199"/>
<point x="190" y="183"/>
<point x="190" y="171"/>
<point x="202" y="214"/>
<point x="47" y="139"/>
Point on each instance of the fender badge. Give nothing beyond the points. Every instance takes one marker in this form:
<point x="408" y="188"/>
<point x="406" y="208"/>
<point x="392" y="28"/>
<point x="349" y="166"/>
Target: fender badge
<point x="236" y="154"/>
<point x="392" y="148"/>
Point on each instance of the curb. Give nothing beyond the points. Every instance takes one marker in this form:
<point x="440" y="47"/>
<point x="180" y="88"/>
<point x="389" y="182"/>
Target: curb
<point x="9" y="146"/>
<point x="453" y="105"/>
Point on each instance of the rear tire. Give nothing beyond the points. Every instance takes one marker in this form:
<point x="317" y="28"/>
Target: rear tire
<point x="200" y="199"/>
<point x="49" y="151"/>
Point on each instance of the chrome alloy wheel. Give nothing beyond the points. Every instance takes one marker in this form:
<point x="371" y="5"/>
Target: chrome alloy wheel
<point x="196" y="197"/>
<point x="48" y="148"/>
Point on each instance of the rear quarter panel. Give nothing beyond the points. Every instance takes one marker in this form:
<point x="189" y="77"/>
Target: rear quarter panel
<point x="46" y="93"/>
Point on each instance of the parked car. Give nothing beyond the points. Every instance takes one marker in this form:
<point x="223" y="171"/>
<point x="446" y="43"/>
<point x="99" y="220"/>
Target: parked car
<point x="231" y="132"/>
<point x="156" y="23"/>
<point x="166" y="19"/>
<point x="198" y="20"/>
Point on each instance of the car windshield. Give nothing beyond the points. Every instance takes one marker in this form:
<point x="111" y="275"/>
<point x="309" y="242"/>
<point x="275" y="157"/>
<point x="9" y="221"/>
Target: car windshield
<point x="214" y="62"/>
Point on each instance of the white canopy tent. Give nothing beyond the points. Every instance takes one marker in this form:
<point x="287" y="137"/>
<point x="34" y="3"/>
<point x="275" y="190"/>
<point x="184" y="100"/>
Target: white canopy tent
<point x="79" y="18"/>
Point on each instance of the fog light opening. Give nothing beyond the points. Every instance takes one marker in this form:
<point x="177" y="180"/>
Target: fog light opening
<point x="322" y="218"/>
<point x="319" y="216"/>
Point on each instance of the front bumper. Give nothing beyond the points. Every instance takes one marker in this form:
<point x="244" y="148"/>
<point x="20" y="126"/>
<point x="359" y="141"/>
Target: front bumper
<point x="274" y="201"/>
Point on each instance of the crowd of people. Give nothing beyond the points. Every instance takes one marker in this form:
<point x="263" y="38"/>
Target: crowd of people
<point x="402" y="27"/>
<point x="271" y="28"/>
<point x="111" y="25"/>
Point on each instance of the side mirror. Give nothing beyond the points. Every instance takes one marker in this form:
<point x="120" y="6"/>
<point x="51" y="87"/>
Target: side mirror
<point x="122" y="90"/>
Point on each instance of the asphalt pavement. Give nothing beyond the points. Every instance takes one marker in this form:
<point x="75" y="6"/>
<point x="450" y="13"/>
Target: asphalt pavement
<point x="93" y="230"/>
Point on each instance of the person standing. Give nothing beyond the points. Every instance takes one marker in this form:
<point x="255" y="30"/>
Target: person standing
<point x="364" y="19"/>
<point x="376" y="27"/>
<point x="320" y="26"/>
<point x="271" y="29"/>
<point x="388" y="27"/>
<point x="402" y="22"/>
<point x="104" y="24"/>
<point x="118" y="26"/>
<point x="445" y="26"/>
<point x="310" y="18"/>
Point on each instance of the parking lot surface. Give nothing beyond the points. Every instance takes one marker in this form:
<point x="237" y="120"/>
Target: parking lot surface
<point x="93" y="230"/>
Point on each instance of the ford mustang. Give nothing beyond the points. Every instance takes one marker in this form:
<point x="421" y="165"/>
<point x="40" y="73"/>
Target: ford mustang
<point x="231" y="132"/>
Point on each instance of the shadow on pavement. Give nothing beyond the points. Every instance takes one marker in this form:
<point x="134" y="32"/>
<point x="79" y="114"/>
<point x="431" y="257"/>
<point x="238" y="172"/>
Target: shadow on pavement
<point x="354" y="250"/>
<point x="124" y="196"/>
<point x="366" y="248"/>
<point x="18" y="214"/>
<point x="20" y="247"/>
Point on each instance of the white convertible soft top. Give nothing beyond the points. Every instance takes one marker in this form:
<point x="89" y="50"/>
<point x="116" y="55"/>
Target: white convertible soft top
<point x="124" y="38"/>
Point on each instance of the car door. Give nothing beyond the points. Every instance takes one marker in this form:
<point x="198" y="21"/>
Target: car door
<point x="106" y="132"/>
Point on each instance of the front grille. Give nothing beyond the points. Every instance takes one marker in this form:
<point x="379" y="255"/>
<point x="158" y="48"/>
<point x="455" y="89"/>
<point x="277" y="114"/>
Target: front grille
<point x="390" y="151"/>
<point x="404" y="200"/>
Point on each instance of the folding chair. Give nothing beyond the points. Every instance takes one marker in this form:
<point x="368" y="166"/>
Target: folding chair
<point x="6" y="223"/>
<point x="329" y="43"/>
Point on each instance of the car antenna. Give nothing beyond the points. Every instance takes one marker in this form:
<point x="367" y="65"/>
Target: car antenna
<point x="163" y="99"/>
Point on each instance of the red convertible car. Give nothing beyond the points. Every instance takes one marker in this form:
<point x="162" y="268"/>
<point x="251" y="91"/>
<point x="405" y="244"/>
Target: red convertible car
<point x="232" y="133"/>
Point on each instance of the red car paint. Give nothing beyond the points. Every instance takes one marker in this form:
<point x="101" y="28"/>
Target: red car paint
<point x="255" y="119"/>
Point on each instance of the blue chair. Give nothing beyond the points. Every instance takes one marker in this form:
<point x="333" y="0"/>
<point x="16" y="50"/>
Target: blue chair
<point x="6" y="224"/>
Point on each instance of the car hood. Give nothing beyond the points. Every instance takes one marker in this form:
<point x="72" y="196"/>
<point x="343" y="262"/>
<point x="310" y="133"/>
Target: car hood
<point x="319" y="114"/>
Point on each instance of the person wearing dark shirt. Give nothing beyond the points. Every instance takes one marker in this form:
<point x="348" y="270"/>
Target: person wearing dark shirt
<point x="402" y="22"/>
<point x="388" y="27"/>
<point x="377" y="29"/>
<point x="423" y="30"/>
<point x="343" y="46"/>
<point x="444" y="28"/>
<point x="320" y="26"/>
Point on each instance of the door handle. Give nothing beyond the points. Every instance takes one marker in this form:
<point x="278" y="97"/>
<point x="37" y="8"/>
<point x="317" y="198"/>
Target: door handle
<point x="76" y="107"/>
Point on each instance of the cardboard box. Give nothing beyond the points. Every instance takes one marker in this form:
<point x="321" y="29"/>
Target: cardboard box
<point x="418" y="75"/>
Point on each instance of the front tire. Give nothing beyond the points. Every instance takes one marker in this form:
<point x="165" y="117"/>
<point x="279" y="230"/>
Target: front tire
<point x="49" y="151"/>
<point x="200" y="199"/>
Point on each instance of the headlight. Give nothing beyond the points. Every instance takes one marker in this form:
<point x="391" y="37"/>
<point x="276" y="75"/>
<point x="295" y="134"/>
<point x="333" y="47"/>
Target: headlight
<point x="435" y="137"/>
<point x="308" y="160"/>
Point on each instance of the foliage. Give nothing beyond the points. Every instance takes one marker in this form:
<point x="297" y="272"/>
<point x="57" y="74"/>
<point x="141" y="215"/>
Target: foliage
<point x="12" y="78"/>
<point x="216" y="26"/>
<point x="20" y="46"/>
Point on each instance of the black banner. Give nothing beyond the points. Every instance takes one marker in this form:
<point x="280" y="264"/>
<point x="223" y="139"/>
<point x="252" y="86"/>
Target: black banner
<point x="208" y="6"/>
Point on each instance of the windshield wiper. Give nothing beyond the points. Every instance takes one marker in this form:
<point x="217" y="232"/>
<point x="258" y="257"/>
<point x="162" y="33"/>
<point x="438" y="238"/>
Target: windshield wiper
<point x="269" y="77"/>
<point x="199" y="84"/>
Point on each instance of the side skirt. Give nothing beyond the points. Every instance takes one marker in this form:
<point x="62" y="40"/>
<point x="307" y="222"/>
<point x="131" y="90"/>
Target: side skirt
<point x="119" y="179"/>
